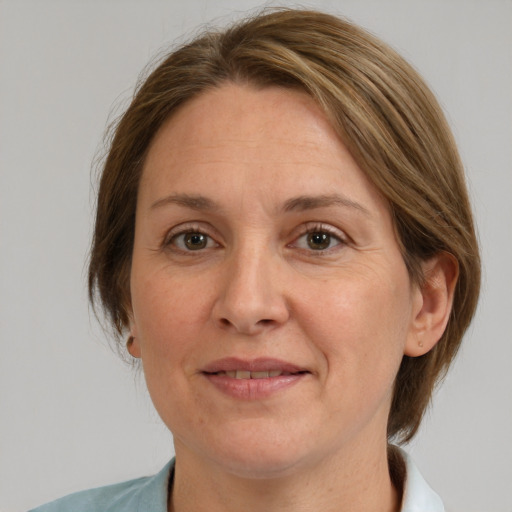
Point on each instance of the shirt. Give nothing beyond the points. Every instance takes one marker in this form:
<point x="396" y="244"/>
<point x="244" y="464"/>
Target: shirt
<point x="149" y="494"/>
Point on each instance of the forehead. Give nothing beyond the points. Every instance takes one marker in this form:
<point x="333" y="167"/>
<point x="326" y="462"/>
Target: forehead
<point x="233" y="113"/>
<point x="274" y="139"/>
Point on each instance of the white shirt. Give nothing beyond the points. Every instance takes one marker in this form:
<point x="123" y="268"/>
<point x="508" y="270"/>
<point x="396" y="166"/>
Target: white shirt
<point x="418" y="496"/>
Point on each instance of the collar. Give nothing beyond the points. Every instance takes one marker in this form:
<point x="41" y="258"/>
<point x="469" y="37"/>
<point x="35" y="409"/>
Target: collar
<point x="417" y="494"/>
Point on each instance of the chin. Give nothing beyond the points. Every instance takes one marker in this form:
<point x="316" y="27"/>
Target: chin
<point x="260" y="455"/>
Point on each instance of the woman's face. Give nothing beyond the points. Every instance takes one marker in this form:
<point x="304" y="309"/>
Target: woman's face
<point x="271" y="304"/>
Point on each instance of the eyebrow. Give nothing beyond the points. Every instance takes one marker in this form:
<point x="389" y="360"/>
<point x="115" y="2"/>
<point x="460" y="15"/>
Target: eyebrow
<point x="295" y="204"/>
<point x="194" y="202"/>
<point x="303" y="203"/>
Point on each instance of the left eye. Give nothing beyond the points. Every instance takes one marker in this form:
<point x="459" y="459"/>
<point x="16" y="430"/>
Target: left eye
<point x="317" y="241"/>
<point x="192" y="241"/>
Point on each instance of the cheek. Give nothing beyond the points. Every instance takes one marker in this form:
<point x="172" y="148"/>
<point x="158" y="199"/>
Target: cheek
<point x="168" y="315"/>
<point x="360" y="325"/>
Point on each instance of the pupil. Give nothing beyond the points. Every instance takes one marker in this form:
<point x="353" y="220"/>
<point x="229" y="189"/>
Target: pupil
<point x="319" y="240"/>
<point x="195" y="241"/>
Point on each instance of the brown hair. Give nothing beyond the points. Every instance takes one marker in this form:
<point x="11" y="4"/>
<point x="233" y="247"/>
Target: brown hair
<point x="383" y="112"/>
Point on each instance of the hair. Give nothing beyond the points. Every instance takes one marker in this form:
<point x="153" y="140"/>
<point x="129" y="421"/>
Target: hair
<point x="383" y="112"/>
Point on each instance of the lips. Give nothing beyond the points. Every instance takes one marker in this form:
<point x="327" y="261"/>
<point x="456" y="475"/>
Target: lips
<point x="254" y="379"/>
<point x="246" y="369"/>
<point x="245" y="374"/>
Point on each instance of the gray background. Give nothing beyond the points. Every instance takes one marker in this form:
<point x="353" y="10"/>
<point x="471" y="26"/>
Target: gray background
<point x="72" y="415"/>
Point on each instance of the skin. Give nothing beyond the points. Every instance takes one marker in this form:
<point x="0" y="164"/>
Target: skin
<point x="260" y="286"/>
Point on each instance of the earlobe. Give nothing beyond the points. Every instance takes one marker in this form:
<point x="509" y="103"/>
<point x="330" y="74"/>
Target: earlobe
<point x="433" y="304"/>
<point x="132" y="343"/>
<point x="133" y="347"/>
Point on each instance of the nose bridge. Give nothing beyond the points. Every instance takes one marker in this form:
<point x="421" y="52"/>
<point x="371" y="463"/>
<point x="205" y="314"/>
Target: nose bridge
<point x="250" y="270"/>
<point x="251" y="296"/>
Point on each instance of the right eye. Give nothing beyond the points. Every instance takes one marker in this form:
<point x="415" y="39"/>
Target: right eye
<point x="192" y="241"/>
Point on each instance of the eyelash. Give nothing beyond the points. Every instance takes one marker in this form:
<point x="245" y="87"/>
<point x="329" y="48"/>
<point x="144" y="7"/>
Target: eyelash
<point x="182" y="231"/>
<point x="319" y="228"/>
<point x="308" y="229"/>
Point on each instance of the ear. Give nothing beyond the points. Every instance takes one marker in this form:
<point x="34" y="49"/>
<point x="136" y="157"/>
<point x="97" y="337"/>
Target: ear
<point x="433" y="299"/>
<point x="133" y="343"/>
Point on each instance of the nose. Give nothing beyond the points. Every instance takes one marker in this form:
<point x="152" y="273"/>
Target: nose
<point x="251" y="298"/>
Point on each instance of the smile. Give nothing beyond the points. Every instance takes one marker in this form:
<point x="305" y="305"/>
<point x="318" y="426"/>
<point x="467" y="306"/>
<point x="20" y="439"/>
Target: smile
<point x="253" y="380"/>
<point x="245" y="374"/>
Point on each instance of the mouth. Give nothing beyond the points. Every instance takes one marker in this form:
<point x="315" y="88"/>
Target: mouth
<point x="254" y="379"/>
<point x="260" y="368"/>
<point x="246" y="374"/>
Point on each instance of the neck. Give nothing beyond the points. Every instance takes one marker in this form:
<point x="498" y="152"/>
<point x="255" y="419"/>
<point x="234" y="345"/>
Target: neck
<point x="338" y="483"/>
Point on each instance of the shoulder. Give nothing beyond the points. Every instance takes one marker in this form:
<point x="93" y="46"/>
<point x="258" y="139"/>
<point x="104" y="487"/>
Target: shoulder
<point x="141" y="494"/>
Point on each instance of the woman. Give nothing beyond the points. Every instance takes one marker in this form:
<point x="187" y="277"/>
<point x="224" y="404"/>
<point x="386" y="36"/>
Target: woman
<point x="284" y="236"/>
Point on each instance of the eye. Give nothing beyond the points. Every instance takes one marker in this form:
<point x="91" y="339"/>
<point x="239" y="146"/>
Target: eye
<point x="192" y="241"/>
<point x="318" y="239"/>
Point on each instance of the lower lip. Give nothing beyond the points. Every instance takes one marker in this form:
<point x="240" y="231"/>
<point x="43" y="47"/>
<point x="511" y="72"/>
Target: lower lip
<point x="253" y="389"/>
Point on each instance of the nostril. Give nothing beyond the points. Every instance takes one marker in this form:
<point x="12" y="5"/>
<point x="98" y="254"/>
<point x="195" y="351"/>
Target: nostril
<point x="225" y="322"/>
<point x="246" y="326"/>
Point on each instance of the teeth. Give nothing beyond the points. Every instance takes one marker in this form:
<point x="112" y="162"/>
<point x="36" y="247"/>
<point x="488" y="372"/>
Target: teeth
<point x="245" y="374"/>
<point x="259" y="375"/>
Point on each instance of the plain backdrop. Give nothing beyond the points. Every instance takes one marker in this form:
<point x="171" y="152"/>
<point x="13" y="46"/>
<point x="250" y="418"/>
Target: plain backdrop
<point x="72" y="415"/>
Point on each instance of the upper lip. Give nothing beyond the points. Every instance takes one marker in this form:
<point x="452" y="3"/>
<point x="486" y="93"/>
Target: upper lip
<point x="261" y="364"/>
